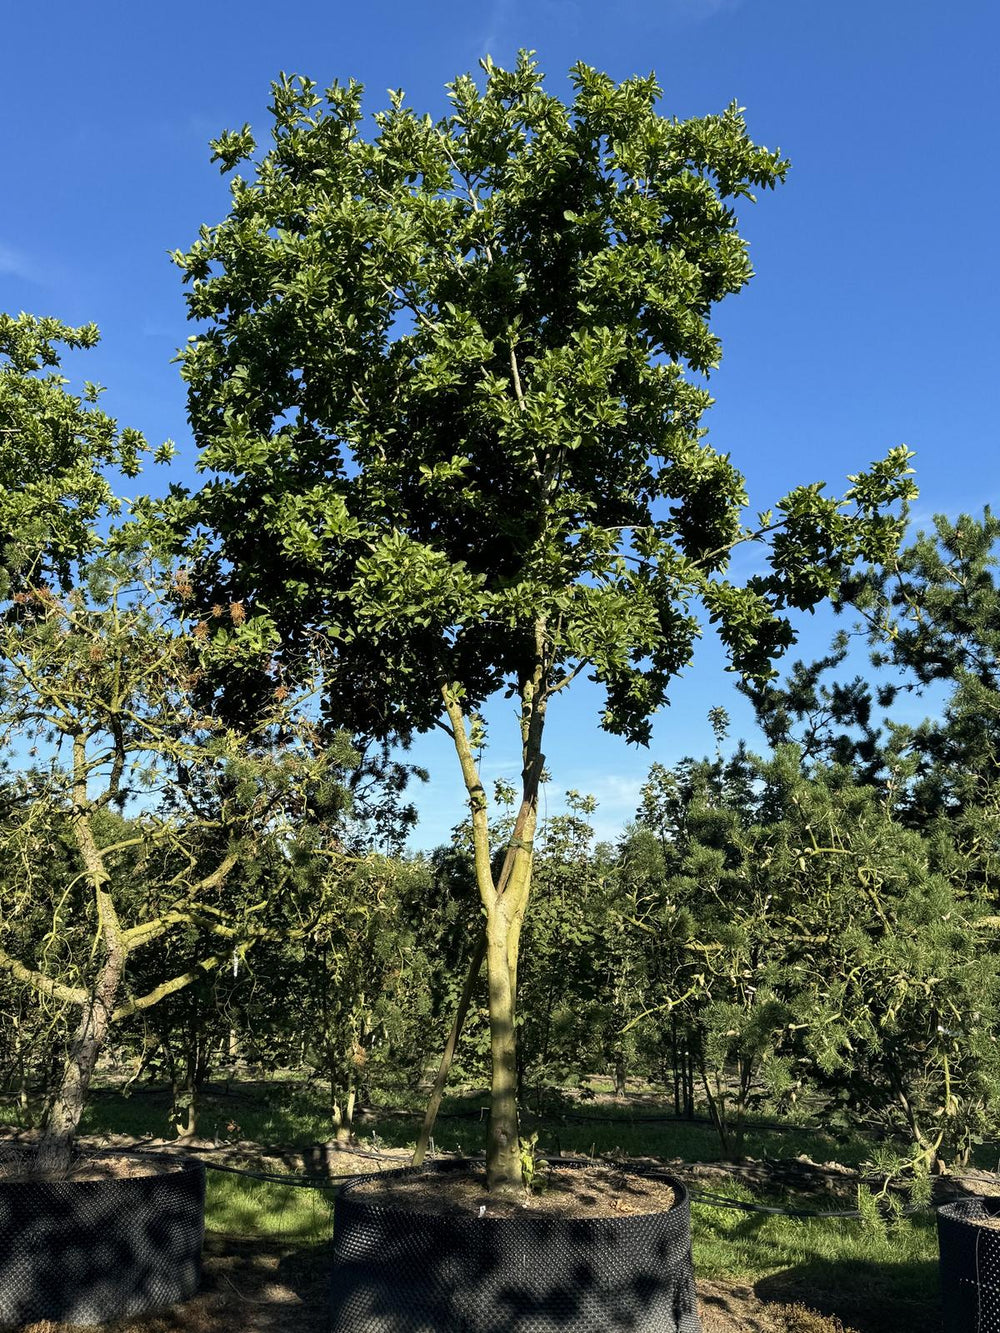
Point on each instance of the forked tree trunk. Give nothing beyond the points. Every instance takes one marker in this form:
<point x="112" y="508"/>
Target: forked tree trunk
<point x="55" y="1152"/>
<point x="342" y="1116"/>
<point x="504" y="900"/>
<point x="342" y="1098"/>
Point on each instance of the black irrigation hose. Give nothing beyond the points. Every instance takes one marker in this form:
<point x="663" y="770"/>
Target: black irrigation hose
<point x="265" y="1150"/>
<point x="276" y="1178"/>
<point x="704" y="1197"/>
<point x="667" y="1118"/>
<point x="270" y="1177"/>
<point x="801" y="1214"/>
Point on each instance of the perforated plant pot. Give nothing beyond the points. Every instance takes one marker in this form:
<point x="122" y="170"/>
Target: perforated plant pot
<point x="89" y="1251"/>
<point x="969" y="1243"/>
<point x="399" y="1271"/>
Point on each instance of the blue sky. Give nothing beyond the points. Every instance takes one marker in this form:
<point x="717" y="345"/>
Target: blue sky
<point x="871" y="322"/>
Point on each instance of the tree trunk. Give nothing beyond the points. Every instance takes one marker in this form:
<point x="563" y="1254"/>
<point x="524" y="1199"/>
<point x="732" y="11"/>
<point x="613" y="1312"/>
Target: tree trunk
<point x="675" y="1064"/>
<point x="342" y="1115"/>
<point x="348" y="1125"/>
<point x="342" y="1096"/>
<point x="619" y="1075"/>
<point x="55" y="1152"/>
<point x="504" y="901"/>
<point x="184" y="1112"/>
<point x="504" y="917"/>
<point x="20" y="1081"/>
<point x="503" y="1150"/>
<point x="717" y="1112"/>
<point x="448" y="1055"/>
<point x="203" y="1066"/>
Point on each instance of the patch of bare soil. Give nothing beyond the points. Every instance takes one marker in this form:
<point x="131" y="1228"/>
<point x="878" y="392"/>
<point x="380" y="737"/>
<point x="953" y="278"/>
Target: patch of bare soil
<point x="966" y="1183"/>
<point x="20" y="1164"/>
<point x="247" y="1287"/>
<point x="732" y="1308"/>
<point x="595" y="1191"/>
<point x="990" y="1221"/>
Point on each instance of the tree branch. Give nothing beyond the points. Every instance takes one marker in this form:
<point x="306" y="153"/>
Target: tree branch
<point x="55" y="990"/>
<point x="477" y="796"/>
<point x="166" y="988"/>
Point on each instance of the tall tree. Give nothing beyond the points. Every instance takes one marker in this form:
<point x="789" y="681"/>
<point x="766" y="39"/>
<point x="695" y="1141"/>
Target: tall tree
<point x="834" y="951"/>
<point x="450" y="392"/>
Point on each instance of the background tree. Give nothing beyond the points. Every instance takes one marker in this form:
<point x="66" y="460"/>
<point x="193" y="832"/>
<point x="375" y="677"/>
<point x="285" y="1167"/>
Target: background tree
<point x="930" y="619"/>
<point x="841" y="961"/>
<point x="32" y="1027"/>
<point x="56" y="450"/>
<point x="450" y="391"/>
<point x="96" y="683"/>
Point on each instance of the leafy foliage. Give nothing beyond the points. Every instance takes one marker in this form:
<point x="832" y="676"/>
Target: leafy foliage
<point x="54" y="447"/>
<point x="447" y="378"/>
<point x="97" y="686"/>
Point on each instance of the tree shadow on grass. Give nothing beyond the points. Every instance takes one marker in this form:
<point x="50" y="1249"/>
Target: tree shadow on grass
<point x="869" y="1297"/>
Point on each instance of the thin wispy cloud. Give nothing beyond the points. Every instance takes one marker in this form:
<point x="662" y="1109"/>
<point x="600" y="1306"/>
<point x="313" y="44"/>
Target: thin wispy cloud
<point x="493" y="36"/>
<point x="16" y="264"/>
<point x="505" y="21"/>
<point x="617" y="796"/>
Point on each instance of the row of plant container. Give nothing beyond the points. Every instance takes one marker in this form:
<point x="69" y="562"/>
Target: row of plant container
<point x="122" y="1240"/>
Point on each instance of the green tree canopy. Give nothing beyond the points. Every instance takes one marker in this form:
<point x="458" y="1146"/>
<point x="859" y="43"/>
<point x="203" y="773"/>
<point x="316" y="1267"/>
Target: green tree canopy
<point x="452" y="387"/>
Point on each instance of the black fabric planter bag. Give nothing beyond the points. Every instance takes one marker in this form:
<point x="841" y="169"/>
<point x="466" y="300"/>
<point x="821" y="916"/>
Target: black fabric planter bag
<point x="89" y="1251"/>
<point x="398" y="1271"/>
<point x="970" y="1265"/>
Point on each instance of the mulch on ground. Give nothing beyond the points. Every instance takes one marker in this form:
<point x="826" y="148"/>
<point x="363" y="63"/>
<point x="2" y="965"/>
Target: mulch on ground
<point x="577" y="1192"/>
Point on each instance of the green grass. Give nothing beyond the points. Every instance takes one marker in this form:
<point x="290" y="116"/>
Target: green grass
<point x="238" y="1206"/>
<point x="290" y="1114"/>
<point x="278" y="1113"/>
<point x="886" y="1281"/>
<point x="732" y="1243"/>
<point x="595" y="1128"/>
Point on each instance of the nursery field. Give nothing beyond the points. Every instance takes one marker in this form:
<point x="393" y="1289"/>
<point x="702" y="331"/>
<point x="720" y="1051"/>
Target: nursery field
<point x="444" y="464"/>
<point x="267" y="1246"/>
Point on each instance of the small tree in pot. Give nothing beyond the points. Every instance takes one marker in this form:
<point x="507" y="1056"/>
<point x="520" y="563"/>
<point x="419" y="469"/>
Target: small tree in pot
<point x="451" y="389"/>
